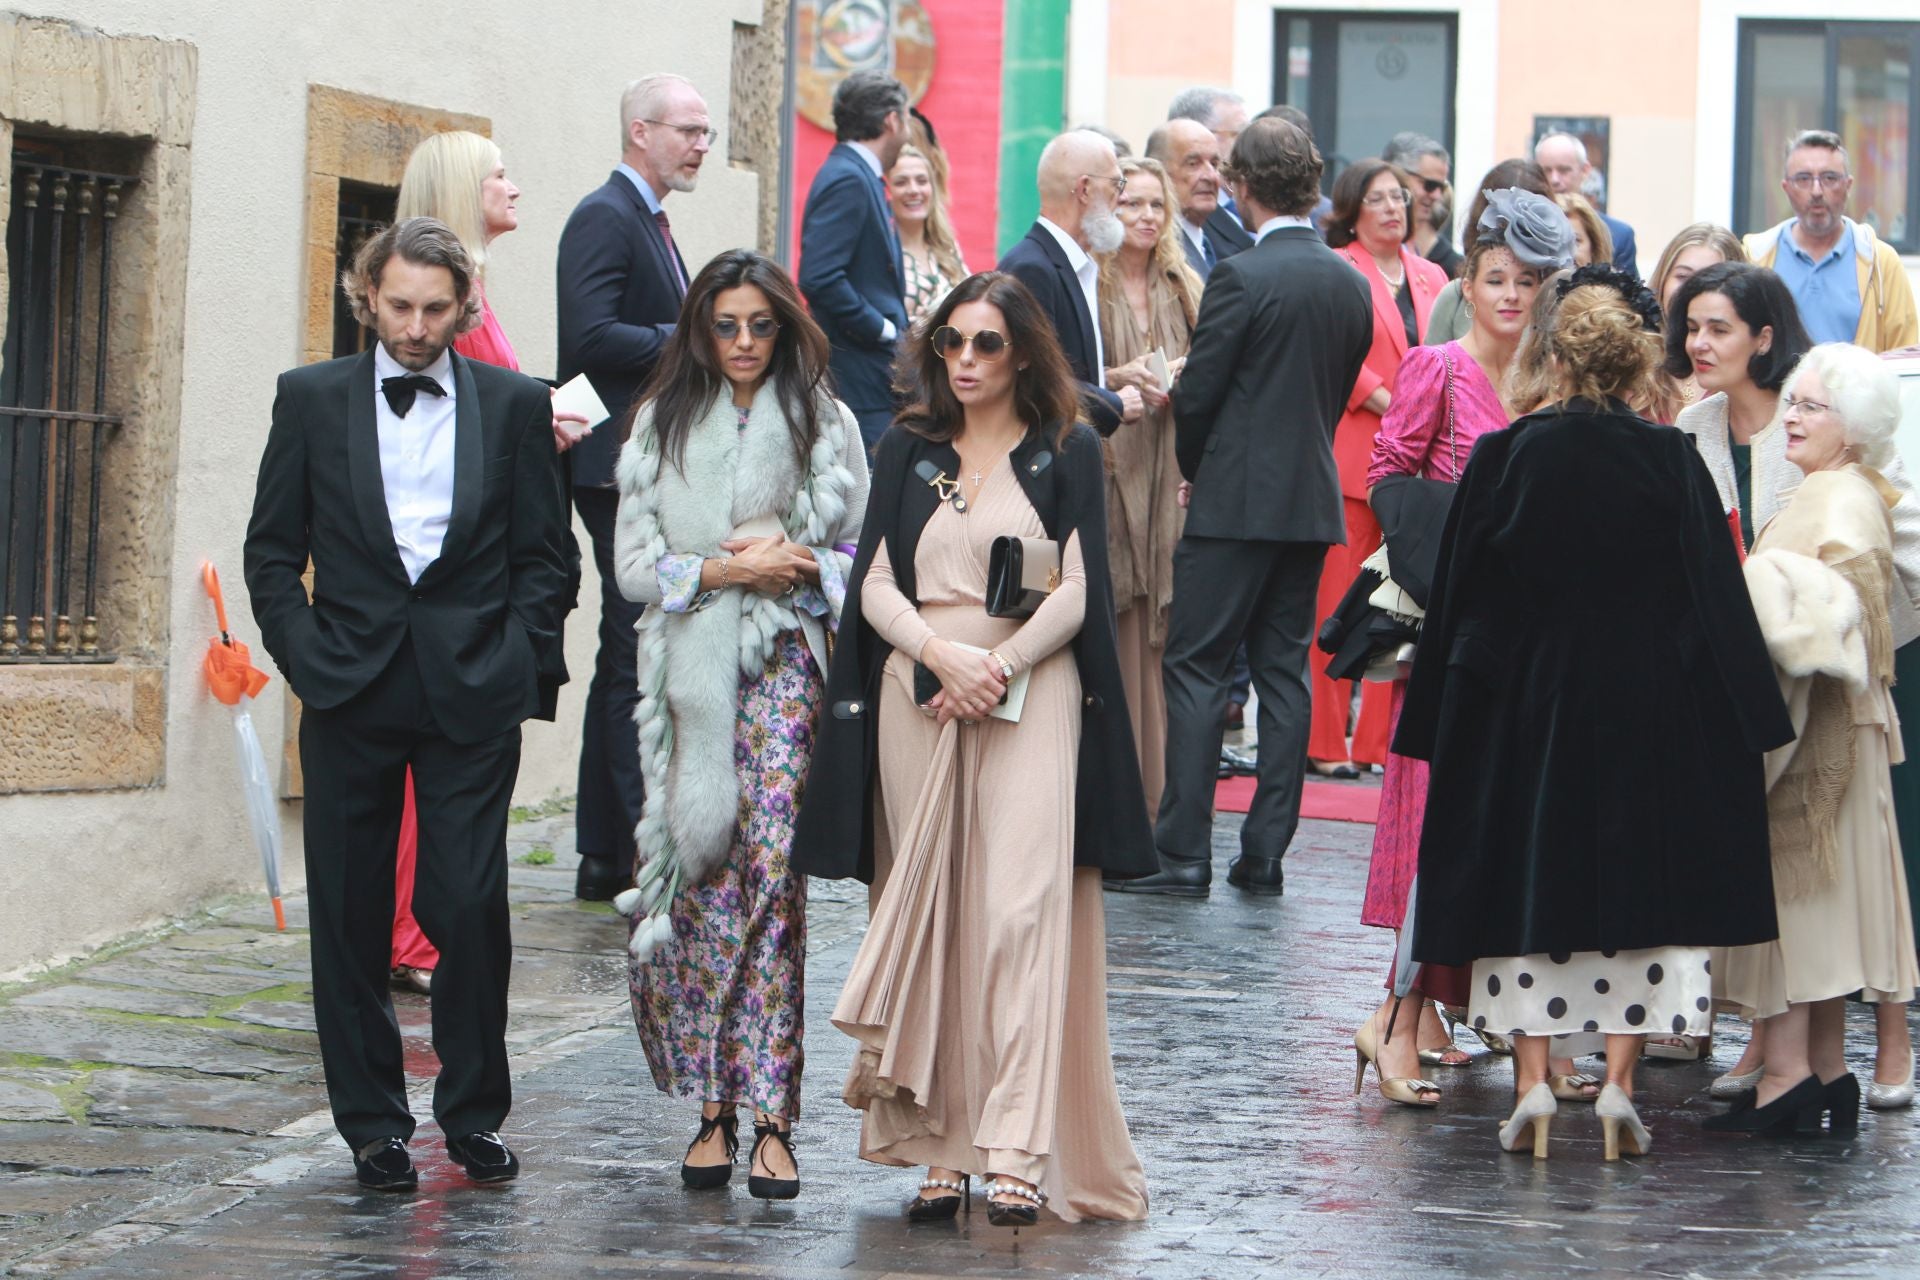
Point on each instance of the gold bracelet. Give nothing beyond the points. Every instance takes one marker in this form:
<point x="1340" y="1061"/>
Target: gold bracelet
<point x="724" y="566"/>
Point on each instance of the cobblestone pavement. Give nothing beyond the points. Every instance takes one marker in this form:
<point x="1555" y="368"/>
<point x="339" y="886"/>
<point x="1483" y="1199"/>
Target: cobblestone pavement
<point x="160" y="1115"/>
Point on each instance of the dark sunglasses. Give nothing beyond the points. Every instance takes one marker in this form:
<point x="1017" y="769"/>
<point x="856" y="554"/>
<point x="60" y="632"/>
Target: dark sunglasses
<point x="1434" y="186"/>
<point x="726" y="328"/>
<point x="988" y="344"/>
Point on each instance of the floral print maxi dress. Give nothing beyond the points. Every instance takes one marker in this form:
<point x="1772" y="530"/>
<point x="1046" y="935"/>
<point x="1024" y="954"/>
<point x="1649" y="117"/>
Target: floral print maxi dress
<point x="719" y="1008"/>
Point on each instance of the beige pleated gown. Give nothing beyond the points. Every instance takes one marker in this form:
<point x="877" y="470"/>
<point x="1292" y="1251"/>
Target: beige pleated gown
<point x="979" y="996"/>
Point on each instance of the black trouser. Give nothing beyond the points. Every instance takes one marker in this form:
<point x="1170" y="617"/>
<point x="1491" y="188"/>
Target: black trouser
<point x="611" y="794"/>
<point x="1225" y="589"/>
<point x="355" y="759"/>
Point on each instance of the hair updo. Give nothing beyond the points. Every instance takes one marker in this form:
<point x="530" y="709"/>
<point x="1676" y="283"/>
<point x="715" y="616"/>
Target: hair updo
<point x="1603" y="348"/>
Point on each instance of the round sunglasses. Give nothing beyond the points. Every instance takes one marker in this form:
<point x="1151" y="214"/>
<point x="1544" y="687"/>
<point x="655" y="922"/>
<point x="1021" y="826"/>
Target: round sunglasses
<point x="988" y="344"/>
<point x="726" y="328"/>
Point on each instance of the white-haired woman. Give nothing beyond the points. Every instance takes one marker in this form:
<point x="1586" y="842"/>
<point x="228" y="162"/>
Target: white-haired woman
<point x="1824" y="588"/>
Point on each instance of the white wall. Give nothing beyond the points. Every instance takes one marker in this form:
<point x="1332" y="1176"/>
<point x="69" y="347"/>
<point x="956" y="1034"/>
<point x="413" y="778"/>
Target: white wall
<point x="82" y="868"/>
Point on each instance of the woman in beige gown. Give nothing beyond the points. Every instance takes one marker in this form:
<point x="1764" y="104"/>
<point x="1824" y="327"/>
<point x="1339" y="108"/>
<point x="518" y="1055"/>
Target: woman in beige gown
<point x="1821" y="575"/>
<point x="979" y="994"/>
<point x="1149" y="297"/>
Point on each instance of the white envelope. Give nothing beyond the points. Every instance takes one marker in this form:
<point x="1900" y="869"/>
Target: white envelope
<point x="578" y="396"/>
<point x="1157" y="366"/>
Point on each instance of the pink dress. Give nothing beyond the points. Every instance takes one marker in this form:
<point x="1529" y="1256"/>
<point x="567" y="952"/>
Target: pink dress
<point x="1414" y="440"/>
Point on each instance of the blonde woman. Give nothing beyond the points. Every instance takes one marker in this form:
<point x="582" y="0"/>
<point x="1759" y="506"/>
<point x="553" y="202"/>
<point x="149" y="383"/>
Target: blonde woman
<point x="1148" y="299"/>
<point x="1592" y="242"/>
<point x="929" y="255"/>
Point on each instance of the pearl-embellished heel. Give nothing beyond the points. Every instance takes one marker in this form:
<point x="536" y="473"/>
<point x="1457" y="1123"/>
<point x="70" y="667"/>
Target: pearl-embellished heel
<point x="942" y="1208"/>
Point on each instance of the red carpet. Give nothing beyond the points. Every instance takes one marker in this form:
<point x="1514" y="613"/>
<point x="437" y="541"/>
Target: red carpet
<point x="1331" y="801"/>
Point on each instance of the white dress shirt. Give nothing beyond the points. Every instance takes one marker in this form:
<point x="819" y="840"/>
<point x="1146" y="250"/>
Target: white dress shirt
<point x="1196" y="236"/>
<point x="1278" y="221"/>
<point x="1087" y="272"/>
<point x="416" y="462"/>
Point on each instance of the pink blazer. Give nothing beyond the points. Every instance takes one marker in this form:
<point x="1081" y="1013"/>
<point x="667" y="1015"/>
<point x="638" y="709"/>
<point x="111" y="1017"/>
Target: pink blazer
<point x="1353" y="438"/>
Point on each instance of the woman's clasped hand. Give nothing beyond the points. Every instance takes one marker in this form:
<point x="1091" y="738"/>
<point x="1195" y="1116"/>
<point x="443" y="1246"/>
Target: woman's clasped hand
<point x="771" y="566"/>
<point x="971" y="684"/>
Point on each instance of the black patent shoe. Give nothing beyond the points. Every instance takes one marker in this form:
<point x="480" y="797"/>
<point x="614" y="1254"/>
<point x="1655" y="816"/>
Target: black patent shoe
<point x="484" y="1157"/>
<point x="1013" y="1215"/>
<point x="1261" y="877"/>
<point x="763" y="1188"/>
<point x="1176" y="878"/>
<point x="384" y="1165"/>
<point x="601" y="879"/>
<point x="708" y="1177"/>
<point x="1796" y="1110"/>
<point x="942" y="1208"/>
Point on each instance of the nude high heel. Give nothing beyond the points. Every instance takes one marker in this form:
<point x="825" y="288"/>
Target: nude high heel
<point x="1618" y="1119"/>
<point x="1406" y="1091"/>
<point x="1536" y="1109"/>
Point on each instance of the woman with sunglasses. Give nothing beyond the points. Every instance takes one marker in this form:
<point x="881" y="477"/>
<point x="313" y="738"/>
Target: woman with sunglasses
<point x="742" y="489"/>
<point x="979" y="772"/>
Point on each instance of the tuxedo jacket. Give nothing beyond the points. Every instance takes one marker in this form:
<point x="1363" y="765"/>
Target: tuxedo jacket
<point x="1041" y="264"/>
<point x="619" y="297"/>
<point x="850" y="274"/>
<point x="484" y="618"/>
<point x="1283" y="332"/>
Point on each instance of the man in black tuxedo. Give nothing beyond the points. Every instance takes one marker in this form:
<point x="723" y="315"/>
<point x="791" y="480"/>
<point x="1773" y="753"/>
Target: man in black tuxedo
<point x="1080" y="185"/>
<point x="420" y="485"/>
<point x="621" y="280"/>
<point x="850" y="268"/>
<point x="1280" y="340"/>
<point x="1191" y="155"/>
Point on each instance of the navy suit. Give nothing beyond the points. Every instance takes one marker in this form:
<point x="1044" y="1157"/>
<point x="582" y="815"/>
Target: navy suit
<point x="1626" y="255"/>
<point x="851" y="276"/>
<point x="1041" y="264"/>
<point x="618" y="286"/>
<point x="1223" y="233"/>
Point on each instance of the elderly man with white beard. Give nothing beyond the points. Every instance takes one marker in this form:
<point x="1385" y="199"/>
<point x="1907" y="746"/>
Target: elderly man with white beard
<point x="1080" y="184"/>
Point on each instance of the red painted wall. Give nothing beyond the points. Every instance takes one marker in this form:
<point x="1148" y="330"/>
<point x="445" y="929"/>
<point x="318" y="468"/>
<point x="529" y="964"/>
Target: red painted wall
<point x="964" y="104"/>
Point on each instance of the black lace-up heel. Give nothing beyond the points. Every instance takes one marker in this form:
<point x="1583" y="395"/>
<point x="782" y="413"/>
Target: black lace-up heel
<point x="771" y="1188"/>
<point x="708" y="1177"/>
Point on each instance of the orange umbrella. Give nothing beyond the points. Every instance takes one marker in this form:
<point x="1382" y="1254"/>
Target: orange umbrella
<point x="234" y="680"/>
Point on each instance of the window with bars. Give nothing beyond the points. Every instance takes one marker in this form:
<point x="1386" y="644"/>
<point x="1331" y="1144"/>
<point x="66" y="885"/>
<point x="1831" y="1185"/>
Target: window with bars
<point x="364" y="211"/>
<point x="56" y="401"/>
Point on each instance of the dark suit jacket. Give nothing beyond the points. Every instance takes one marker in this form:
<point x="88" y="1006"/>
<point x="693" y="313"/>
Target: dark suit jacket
<point x="1283" y="331"/>
<point x="834" y="836"/>
<point x="484" y="618"/>
<point x="1041" y="264"/>
<point x="1626" y="254"/>
<point x="1226" y="234"/>
<point x="618" y="300"/>
<point x="851" y="276"/>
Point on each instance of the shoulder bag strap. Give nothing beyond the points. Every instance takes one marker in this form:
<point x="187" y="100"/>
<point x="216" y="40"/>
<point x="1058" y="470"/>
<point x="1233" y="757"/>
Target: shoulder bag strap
<point x="1453" y="432"/>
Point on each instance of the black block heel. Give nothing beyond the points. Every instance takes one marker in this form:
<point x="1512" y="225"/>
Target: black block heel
<point x="1791" y="1112"/>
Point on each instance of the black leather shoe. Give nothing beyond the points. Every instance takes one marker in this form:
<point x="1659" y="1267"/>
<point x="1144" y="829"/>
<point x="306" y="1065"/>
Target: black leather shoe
<point x="1176" y="878"/>
<point x="384" y="1165"/>
<point x="1260" y="876"/>
<point x="484" y="1157"/>
<point x="600" y="879"/>
<point x="1234" y="762"/>
<point x="1797" y="1110"/>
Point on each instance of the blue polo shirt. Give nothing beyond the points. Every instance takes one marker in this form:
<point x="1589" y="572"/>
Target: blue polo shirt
<point x="1827" y="291"/>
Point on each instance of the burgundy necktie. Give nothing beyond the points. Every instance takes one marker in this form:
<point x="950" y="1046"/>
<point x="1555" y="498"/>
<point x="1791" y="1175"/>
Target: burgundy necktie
<point x="673" y="254"/>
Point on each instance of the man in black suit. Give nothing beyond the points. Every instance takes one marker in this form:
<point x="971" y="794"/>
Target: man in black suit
<point x="1191" y="156"/>
<point x="620" y="283"/>
<point x="1223" y="113"/>
<point x="850" y="268"/>
<point x="1080" y="185"/>
<point x="1282" y="333"/>
<point x="421" y="486"/>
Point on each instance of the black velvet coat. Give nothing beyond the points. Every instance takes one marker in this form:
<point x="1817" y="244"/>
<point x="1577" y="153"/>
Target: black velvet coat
<point x="834" y="835"/>
<point x="1595" y="696"/>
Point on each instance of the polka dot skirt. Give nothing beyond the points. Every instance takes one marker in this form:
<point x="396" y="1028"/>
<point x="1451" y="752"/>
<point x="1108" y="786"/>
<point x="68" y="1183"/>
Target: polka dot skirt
<point x="1580" y="997"/>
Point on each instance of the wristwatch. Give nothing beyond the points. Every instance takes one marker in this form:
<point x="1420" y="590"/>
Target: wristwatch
<point x="1006" y="668"/>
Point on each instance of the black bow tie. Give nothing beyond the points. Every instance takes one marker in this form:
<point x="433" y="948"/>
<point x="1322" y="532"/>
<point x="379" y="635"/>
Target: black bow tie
<point x="401" y="391"/>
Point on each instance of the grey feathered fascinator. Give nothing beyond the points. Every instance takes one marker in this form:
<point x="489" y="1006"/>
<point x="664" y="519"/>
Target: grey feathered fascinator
<point x="1533" y="227"/>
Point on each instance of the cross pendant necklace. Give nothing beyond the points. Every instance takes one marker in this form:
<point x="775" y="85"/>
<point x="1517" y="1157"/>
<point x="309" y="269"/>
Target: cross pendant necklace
<point x="976" y="478"/>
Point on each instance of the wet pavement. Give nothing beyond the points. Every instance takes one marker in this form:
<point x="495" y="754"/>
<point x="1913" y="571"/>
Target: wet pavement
<point x="160" y="1115"/>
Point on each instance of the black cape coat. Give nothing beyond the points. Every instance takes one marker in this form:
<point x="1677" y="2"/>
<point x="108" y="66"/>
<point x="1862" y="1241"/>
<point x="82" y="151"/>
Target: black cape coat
<point x="1595" y="695"/>
<point x="834" y="833"/>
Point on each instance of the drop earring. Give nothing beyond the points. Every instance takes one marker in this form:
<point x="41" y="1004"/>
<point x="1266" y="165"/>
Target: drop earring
<point x="1469" y="310"/>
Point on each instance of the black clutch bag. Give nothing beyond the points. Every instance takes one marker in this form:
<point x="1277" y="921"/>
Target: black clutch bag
<point x="1021" y="572"/>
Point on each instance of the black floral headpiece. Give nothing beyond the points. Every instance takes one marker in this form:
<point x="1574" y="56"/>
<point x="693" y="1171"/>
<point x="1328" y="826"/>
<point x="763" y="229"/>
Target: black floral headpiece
<point x="1635" y="294"/>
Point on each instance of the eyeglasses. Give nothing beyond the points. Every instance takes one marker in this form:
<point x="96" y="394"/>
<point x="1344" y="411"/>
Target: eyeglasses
<point x="726" y="328"/>
<point x="1791" y="405"/>
<point x="988" y="344"/>
<point x="1830" y="180"/>
<point x="1118" y="182"/>
<point x="1380" y="199"/>
<point x="694" y="132"/>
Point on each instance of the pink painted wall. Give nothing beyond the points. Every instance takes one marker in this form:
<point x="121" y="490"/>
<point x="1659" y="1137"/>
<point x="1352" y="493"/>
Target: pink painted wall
<point x="964" y="104"/>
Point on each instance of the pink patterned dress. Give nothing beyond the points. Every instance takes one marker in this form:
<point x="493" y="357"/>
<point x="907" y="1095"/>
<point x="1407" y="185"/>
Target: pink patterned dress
<point x="1414" y="440"/>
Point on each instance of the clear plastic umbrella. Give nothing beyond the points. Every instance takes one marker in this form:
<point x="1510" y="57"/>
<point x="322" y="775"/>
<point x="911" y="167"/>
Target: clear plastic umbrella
<point x="235" y="681"/>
